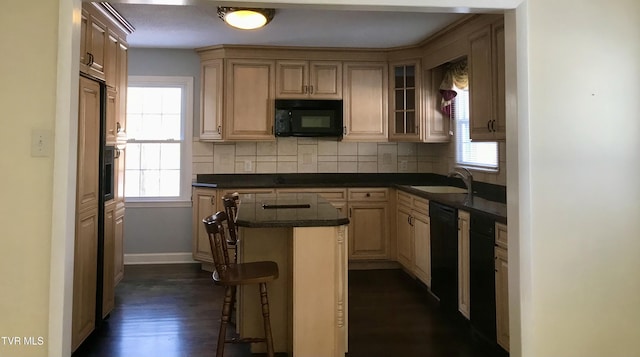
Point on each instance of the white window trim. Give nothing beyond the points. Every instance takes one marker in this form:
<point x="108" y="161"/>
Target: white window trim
<point x="186" y="83"/>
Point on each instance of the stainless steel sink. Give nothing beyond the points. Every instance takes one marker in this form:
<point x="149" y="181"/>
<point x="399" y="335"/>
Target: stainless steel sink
<point x="440" y="189"/>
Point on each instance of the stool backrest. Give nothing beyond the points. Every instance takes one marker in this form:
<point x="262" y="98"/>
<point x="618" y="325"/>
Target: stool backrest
<point x="230" y="203"/>
<point x="216" y="231"/>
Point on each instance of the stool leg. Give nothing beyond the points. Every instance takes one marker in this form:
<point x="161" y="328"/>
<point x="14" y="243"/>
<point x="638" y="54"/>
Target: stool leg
<point x="265" y="316"/>
<point x="224" y="320"/>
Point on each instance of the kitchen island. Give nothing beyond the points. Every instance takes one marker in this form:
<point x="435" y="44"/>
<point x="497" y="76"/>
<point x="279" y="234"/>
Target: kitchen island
<point x="307" y="237"/>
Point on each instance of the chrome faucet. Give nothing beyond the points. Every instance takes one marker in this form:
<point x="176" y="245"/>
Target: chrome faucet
<point x="467" y="178"/>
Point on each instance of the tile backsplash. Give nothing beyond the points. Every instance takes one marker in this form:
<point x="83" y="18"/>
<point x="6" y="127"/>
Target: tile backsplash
<point x="328" y="155"/>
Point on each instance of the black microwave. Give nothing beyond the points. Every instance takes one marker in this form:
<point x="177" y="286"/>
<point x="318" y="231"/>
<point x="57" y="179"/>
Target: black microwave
<point x="308" y="117"/>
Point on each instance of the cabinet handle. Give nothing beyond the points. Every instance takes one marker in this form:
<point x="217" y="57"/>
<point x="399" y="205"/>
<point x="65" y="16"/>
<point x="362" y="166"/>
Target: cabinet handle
<point x="344" y="130"/>
<point x="304" y="89"/>
<point x="493" y="125"/>
<point x="219" y="129"/>
<point x="89" y="59"/>
<point x="213" y="200"/>
<point x="118" y="127"/>
<point x="489" y="125"/>
<point x="311" y="89"/>
<point x="409" y="220"/>
<point x="350" y="212"/>
<point x="117" y="154"/>
<point x="272" y="129"/>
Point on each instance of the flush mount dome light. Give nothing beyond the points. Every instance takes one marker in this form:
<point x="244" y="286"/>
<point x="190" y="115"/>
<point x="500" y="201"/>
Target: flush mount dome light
<point x="245" y="18"/>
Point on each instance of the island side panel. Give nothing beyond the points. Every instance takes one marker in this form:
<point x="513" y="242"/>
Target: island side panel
<point x="273" y="244"/>
<point x="319" y="291"/>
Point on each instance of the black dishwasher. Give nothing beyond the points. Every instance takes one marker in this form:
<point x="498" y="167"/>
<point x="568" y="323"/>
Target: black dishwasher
<point x="482" y="277"/>
<point x="444" y="254"/>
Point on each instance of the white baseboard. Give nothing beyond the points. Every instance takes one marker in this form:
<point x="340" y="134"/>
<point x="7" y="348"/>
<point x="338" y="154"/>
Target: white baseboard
<point x="158" y="258"/>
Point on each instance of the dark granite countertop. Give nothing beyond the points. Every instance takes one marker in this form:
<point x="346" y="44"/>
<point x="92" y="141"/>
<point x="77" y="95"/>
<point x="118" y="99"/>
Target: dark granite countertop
<point x="317" y="212"/>
<point x="496" y="210"/>
<point x="488" y="199"/>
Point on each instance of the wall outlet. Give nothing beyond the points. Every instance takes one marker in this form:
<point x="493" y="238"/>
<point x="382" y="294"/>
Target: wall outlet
<point x="40" y="143"/>
<point x="248" y="166"/>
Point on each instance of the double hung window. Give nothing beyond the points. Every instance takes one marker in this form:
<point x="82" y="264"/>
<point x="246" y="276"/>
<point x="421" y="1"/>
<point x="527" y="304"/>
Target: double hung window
<point x="158" y="152"/>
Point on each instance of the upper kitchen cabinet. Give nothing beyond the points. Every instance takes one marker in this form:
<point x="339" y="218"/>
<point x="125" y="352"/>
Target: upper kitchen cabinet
<point x="308" y="79"/>
<point x="486" y="83"/>
<point x="249" y="99"/>
<point x="122" y="56"/>
<point x="435" y="128"/>
<point x="212" y="73"/>
<point x="365" y="91"/>
<point x="404" y="114"/>
<point x="93" y="43"/>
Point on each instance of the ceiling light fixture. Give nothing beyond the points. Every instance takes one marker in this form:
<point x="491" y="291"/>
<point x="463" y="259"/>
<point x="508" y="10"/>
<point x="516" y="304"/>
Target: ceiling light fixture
<point x="245" y="18"/>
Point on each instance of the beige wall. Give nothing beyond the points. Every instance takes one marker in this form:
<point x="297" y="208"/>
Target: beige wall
<point x="28" y="34"/>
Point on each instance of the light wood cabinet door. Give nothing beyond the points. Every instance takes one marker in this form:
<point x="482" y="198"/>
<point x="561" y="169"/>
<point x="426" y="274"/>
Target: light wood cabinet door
<point x="85" y="40"/>
<point x="435" y="128"/>
<point x="498" y="61"/>
<point x="365" y="101"/>
<point x="309" y="79"/>
<point x="464" y="296"/>
<point x="502" y="297"/>
<point x="85" y="273"/>
<point x="249" y="106"/>
<point x="121" y="87"/>
<point x="111" y="59"/>
<point x="108" y="252"/>
<point x="368" y="230"/>
<point x="88" y="145"/>
<point x="404" y="237"/>
<point x="405" y="115"/>
<point x="122" y="82"/>
<point x="205" y="203"/>
<point x="422" y="246"/>
<point x="118" y="244"/>
<point x="211" y="100"/>
<point x="486" y="83"/>
<point x="110" y="129"/>
<point x="325" y="80"/>
<point x="97" y="49"/>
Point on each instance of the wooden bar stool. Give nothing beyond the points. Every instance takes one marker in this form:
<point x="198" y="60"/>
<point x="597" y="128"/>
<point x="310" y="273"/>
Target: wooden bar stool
<point x="230" y="275"/>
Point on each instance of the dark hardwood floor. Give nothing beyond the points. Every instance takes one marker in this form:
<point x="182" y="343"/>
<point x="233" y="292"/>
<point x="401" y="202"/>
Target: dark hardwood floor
<point x="173" y="311"/>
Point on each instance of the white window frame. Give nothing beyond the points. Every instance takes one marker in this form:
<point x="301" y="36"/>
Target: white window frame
<point x="459" y="147"/>
<point x="186" y="84"/>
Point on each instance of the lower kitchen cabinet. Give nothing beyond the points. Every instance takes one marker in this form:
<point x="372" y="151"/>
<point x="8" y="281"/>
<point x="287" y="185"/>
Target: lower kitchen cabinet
<point x="205" y="203"/>
<point x="464" y="295"/>
<point x="118" y="244"/>
<point x="108" y="251"/>
<point x="368" y="223"/>
<point x="422" y="246"/>
<point x="413" y="235"/>
<point x="404" y="237"/>
<point x="84" y="277"/>
<point x="502" y="287"/>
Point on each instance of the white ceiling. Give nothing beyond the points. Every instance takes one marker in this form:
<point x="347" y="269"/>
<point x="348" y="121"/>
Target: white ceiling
<point x="193" y="26"/>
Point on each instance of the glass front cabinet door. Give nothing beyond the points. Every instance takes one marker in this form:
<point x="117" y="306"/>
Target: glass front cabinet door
<point x="404" y="118"/>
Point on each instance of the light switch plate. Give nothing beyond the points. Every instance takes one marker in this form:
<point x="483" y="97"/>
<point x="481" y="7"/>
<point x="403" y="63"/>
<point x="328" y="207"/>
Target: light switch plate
<point x="40" y="143"/>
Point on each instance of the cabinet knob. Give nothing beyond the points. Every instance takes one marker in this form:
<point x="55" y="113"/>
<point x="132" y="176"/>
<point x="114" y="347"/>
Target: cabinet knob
<point x="368" y="194"/>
